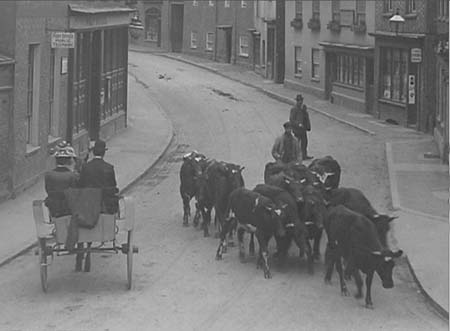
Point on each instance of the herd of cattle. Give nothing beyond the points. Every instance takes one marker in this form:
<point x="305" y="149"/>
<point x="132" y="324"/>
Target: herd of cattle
<point x="295" y="203"/>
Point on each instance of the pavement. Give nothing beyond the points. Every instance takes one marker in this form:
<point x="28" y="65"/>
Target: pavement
<point x="419" y="182"/>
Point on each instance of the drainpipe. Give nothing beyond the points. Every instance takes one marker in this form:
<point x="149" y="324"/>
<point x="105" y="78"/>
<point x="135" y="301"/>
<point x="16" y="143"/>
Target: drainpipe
<point x="215" y="29"/>
<point x="236" y="4"/>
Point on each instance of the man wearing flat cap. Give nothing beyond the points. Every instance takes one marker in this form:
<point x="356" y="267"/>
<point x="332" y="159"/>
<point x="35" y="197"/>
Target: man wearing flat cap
<point x="299" y="119"/>
<point x="98" y="173"/>
<point x="286" y="148"/>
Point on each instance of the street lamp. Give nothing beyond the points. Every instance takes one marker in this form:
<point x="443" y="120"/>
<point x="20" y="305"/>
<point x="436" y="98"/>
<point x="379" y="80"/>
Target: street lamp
<point x="396" y="20"/>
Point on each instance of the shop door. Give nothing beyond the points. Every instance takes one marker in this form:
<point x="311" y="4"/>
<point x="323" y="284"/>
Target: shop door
<point x="270" y="52"/>
<point x="97" y="95"/>
<point x="176" y="27"/>
<point x="228" y="44"/>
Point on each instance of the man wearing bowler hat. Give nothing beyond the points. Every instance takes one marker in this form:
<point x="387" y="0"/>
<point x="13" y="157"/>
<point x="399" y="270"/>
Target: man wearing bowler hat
<point x="98" y="173"/>
<point x="299" y="119"/>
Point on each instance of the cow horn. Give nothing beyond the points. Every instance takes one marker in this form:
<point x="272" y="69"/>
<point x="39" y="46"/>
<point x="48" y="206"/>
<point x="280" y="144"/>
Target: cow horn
<point x="376" y="253"/>
<point x="256" y="202"/>
<point x="277" y="211"/>
<point x="387" y="258"/>
<point x="241" y="168"/>
<point x="376" y="216"/>
<point x="392" y="217"/>
<point x="397" y="253"/>
<point x="303" y="180"/>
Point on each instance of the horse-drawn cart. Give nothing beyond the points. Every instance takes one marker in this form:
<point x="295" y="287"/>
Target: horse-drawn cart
<point x="52" y="235"/>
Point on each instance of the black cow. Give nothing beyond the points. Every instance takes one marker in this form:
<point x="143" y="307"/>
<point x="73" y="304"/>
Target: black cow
<point x="327" y="170"/>
<point x="191" y="169"/>
<point x="313" y="212"/>
<point x="215" y="185"/>
<point x="273" y="171"/>
<point x="355" y="200"/>
<point x="256" y="214"/>
<point x="353" y="237"/>
<point x="295" y="229"/>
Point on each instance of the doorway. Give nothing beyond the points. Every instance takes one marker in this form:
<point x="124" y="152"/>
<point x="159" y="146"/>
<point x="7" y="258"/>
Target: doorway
<point x="370" y="90"/>
<point x="228" y="44"/>
<point x="176" y="27"/>
<point x="270" y="52"/>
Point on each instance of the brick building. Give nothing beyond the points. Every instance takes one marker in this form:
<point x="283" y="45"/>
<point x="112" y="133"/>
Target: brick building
<point x="77" y="94"/>
<point x="329" y="52"/>
<point x="149" y="13"/>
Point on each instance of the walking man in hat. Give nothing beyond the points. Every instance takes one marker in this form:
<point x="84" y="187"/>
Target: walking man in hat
<point x="98" y="173"/>
<point x="286" y="148"/>
<point x="299" y="119"/>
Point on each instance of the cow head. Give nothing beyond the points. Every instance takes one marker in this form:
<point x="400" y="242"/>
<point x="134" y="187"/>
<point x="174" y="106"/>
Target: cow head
<point x="382" y="224"/>
<point x="313" y="208"/>
<point x="277" y="214"/>
<point x="385" y="264"/>
<point x="196" y="161"/>
<point x="294" y="187"/>
<point x="234" y="176"/>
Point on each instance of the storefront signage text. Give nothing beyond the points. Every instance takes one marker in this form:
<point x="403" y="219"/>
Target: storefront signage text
<point x="416" y="55"/>
<point x="63" y="40"/>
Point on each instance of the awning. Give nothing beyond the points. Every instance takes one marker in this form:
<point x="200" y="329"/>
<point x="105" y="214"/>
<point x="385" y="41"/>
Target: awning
<point x="347" y="46"/>
<point x="397" y="35"/>
<point x="99" y="8"/>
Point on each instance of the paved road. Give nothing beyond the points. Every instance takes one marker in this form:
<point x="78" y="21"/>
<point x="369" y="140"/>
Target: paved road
<point x="178" y="284"/>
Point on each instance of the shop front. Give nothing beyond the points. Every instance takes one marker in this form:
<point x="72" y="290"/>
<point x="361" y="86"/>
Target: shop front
<point x="405" y="80"/>
<point x="97" y="69"/>
<point x="349" y="79"/>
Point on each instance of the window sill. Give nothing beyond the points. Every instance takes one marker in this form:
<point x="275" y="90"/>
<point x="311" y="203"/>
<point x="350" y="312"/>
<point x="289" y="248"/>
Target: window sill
<point x="392" y="102"/>
<point x="348" y="86"/>
<point x="193" y="47"/>
<point x="208" y="50"/>
<point x="31" y="150"/>
<point x="299" y="76"/>
<point x="387" y="14"/>
<point x="52" y="139"/>
<point x="243" y="55"/>
<point x="315" y="79"/>
<point x="410" y="16"/>
<point x="442" y="19"/>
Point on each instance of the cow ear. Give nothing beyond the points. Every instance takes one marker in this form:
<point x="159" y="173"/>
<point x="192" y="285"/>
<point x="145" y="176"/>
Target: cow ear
<point x="391" y="218"/>
<point x="241" y="168"/>
<point x="286" y="180"/>
<point x="284" y="206"/>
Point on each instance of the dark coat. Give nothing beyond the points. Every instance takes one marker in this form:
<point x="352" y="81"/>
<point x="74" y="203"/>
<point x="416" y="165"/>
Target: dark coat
<point x="98" y="173"/>
<point x="299" y="115"/>
<point x="56" y="181"/>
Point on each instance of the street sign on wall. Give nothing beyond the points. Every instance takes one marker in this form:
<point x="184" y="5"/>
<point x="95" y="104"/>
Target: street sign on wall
<point x="416" y="55"/>
<point x="63" y="40"/>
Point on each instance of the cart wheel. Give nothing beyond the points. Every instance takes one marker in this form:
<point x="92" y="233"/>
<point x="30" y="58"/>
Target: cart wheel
<point x="43" y="264"/>
<point x="130" y="259"/>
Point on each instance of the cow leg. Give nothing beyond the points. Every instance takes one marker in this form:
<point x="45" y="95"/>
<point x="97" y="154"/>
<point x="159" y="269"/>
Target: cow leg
<point x="263" y="253"/>
<point x="310" y="258"/>
<point x="87" y="261"/>
<point x="317" y="237"/>
<point x="197" y="214"/>
<point x="300" y="239"/>
<point x="369" y="278"/>
<point x="330" y="261"/>
<point x="359" y="283"/>
<point x="186" y="208"/>
<point x="79" y="258"/>
<point x="251" y="246"/>
<point x="338" y="262"/>
<point x="206" y="214"/>
<point x="240" y="235"/>
<point x="283" y="244"/>
<point x="222" y="249"/>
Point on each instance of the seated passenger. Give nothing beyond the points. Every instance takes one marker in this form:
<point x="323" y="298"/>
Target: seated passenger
<point x="60" y="179"/>
<point x="98" y="173"/>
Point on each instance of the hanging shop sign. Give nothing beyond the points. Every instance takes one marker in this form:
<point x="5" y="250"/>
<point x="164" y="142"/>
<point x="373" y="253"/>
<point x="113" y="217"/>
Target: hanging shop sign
<point x="416" y="55"/>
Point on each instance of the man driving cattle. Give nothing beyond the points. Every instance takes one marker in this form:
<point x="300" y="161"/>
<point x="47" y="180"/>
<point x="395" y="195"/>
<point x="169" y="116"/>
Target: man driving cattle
<point x="285" y="148"/>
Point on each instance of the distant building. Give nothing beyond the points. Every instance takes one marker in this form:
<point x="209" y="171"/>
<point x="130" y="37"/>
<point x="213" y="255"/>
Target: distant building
<point x="77" y="94"/>
<point x="329" y="52"/>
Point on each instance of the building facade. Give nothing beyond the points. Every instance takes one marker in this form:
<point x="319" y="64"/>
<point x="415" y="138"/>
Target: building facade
<point x="329" y="52"/>
<point x="77" y="94"/>
<point x="149" y="13"/>
<point x="405" y="66"/>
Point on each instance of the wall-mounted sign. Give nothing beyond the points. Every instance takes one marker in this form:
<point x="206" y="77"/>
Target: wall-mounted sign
<point x="411" y="89"/>
<point x="63" y="40"/>
<point x="64" y="65"/>
<point x="416" y="55"/>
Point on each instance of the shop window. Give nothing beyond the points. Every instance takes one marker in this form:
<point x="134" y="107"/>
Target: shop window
<point x="360" y="18"/>
<point x="298" y="61"/>
<point x="257" y="50"/>
<point x="209" y="41"/>
<point x="443" y="8"/>
<point x="387" y="6"/>
<point x="298" y="9"/>
<point x="193" y="39"/>
<point x="335" y="10"/>
<point x="394" y="70"/>
<point x="411" y="6"/>
<point x="227" y="3"/>
<point x="315" y="61"/>
<point x="152" y="24"/>
<point x="350" y="70"/>
<point x="243" y="46"/>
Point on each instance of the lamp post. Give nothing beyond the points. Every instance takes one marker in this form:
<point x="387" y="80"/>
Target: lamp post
<point x="396" y="20"/>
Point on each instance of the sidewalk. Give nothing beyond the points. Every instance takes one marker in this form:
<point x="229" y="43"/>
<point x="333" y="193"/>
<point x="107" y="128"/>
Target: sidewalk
<point x="419" y="185"/>
<point x="131" y="152"/>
